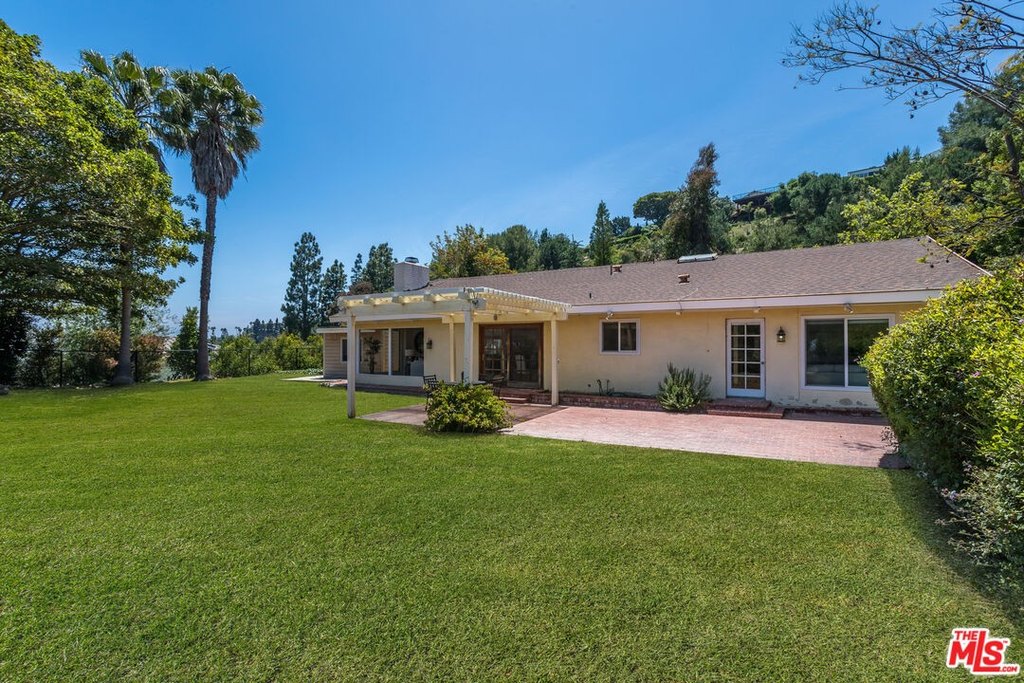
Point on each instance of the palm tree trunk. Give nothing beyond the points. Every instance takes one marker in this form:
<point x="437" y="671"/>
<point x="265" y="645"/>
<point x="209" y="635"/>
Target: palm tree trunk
<point x="203" y="355"/>
<point x="123" y="375"/>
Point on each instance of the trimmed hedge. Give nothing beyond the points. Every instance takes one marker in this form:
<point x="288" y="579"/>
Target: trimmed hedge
<point x="465" y="408"/>
<point x="951" y="381"/>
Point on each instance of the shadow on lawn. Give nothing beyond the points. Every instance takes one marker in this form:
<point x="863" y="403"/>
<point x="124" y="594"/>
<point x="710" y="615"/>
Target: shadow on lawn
<point x="924" y="513"/>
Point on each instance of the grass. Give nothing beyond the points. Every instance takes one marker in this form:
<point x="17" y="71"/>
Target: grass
<point x="245" y="530"/>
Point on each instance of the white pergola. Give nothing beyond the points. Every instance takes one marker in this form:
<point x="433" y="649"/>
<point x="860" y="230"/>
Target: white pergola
<point x="449" y="304"/>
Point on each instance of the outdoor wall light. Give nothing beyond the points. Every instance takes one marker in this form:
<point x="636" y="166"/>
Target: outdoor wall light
<point x="430" y="343"/>
<point x="780" y="336"/>
<point x="848" y="308"/>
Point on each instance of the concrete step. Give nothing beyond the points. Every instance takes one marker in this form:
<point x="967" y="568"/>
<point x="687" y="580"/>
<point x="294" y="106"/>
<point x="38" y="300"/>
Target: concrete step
<point x="745" y="407"/>
<point x="773" y="413"/>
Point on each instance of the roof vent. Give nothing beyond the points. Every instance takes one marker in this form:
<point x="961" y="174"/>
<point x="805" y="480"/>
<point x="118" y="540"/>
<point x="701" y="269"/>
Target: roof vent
<point x="693" y="258"/>
<point x="684" y="278"/>
<point x="411" y="259"/>
<point x="615" y="268"/>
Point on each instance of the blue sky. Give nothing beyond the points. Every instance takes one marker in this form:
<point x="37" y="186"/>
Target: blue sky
<point x="393" y="121"/>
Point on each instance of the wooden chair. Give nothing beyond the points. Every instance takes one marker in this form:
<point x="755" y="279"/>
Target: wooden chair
<point x="430" y="382"/>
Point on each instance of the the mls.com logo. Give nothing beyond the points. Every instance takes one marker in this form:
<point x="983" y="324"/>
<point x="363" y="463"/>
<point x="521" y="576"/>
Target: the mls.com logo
<point x="973" y="649"/>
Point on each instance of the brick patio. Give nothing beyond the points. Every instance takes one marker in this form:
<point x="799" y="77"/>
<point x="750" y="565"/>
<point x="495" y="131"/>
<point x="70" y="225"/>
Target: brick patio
<point x="830" y="439"/>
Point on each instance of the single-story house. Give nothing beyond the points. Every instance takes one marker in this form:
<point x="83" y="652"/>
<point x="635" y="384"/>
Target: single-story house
<point x="788" y="326"/>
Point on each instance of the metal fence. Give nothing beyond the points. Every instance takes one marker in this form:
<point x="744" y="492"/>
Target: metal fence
<point x="78" y="367"/>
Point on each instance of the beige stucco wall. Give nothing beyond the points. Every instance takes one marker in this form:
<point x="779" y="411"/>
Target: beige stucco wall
<point x="695" y="339"/>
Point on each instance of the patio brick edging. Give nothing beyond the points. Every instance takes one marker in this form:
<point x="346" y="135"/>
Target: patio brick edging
<point x="621" y="402"/>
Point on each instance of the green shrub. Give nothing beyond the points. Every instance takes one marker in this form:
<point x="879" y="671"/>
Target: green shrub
<point x="951" y="381"/>
<point x="466" y="408"/>
<point x="241" y="356"/>
<point x="683" y="390"/>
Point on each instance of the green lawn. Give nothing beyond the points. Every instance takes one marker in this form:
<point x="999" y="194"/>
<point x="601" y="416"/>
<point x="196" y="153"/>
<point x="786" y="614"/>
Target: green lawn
<point x="245" y="530"/>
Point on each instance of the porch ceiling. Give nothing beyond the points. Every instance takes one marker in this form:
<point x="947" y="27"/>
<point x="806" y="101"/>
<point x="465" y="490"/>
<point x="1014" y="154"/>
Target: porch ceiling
<point x="449" y="301"/>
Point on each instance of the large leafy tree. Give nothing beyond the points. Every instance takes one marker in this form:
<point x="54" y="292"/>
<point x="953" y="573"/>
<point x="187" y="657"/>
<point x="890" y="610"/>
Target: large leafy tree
<point x="946" y="213"/>
<point x="814" y="203"/>
<point x="518" y="244"/>
<point x="465" y="253"/>
<point x="558" y="251"/>
<point x="601" y="234"/>
<point x="141" y="252"/>
<point x="213" y="120"/>
<point x="654" y="208"/>
<point x="959" y="51"/>
<point x="333" y="285"/>
<point x="688" y="227"/>
<point x="74" y="181"/>
<point x="301" y="306"/>
<point x="380" y="268"/>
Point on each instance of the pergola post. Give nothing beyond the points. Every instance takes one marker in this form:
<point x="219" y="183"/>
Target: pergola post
<point x="554" y="361"/>
<point x="467" y="347"/>
<point x="352" y="364"/>
<point x="451" y="349"/>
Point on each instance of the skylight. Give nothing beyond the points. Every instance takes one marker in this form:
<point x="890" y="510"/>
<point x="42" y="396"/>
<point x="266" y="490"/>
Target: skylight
<point x="697" y="257"/>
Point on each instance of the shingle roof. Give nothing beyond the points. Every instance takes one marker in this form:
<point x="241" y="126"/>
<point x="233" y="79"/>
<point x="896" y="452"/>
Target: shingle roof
<point x="898" y="265"/>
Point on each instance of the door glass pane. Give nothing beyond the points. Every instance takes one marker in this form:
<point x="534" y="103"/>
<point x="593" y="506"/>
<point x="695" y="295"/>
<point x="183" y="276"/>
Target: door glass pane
<point x="492" y="365"/>
<point x="754" y="382"/>
<point x="609" y="336"/>
<point x="824" y="353"/>
<point x="627" y="337"/>
<point x="524" y="355"/>
<point x="861" y="334"/>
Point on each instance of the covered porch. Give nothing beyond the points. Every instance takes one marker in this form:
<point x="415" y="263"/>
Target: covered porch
<point x="459" y="334"/>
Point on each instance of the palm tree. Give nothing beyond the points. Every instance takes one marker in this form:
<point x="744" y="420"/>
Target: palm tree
<point x="142" y="91"/>
<point x="213" y="120"/>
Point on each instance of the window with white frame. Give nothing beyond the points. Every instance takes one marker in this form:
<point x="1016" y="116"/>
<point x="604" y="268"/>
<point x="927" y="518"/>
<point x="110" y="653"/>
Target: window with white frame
<point x="833" y="348"/>
<point x="619" y="336"/>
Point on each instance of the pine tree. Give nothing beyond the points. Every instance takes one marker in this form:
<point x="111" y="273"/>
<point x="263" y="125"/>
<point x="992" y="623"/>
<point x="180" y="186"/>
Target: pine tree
<point x="302" y="298"/>
<point x="358" y="274"/>
<point x="380" y="268"/>
<point x="182" y="358"/>
<point x="601" y="237"/>
<point x="688" y="226"/>
<point x="334" y="284"/>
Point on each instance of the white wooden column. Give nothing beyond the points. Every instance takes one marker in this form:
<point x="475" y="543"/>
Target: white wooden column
<point x="467" y="347"/>
<point x="353" y="364"/>
<point x="554" y="361"/>
<point x="451" y="349"/>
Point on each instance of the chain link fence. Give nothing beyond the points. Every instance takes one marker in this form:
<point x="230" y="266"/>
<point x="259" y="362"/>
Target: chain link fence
<point x="77" y="367"/>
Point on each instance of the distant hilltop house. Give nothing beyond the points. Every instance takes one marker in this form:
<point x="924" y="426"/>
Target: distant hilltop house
<point x="787" y="326"/>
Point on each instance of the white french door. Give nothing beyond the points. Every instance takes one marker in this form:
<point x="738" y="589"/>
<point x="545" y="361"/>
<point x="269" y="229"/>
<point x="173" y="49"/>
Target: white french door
<point x="745" y="344"/>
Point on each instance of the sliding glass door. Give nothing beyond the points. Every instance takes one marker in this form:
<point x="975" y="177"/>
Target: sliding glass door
<point x="511" y="354"/>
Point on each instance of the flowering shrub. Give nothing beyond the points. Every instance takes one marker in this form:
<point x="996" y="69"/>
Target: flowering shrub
<point x="951" y="381"/>
<point x="683" y="390"/>
<point x="465" y="408"/>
